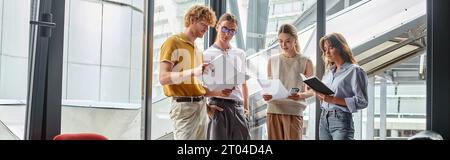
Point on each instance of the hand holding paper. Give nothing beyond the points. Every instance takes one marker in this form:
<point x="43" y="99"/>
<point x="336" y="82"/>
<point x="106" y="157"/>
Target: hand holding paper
<point x="222" y="74"/>
<point x="273" y="88"/>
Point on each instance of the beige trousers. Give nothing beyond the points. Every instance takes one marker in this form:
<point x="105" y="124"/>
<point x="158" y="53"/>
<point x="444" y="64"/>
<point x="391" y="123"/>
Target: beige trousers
<point x="284" y="127"/>
<point x="189" y="120"/>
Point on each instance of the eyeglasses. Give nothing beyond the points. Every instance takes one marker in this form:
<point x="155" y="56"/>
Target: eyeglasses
<point x="228" y="31"/>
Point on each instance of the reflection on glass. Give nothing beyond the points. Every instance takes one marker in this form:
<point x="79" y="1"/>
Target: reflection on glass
<point x="14" y="50"/>
<point x="103" y="68"/>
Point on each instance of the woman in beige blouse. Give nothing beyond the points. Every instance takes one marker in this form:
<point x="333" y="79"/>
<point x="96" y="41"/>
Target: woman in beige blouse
<point x="285" y="116"/>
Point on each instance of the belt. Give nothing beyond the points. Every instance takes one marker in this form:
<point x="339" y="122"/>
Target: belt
<point x="188" y="99"/>
<point x="226" y="101"/>
<point x="333" y="111"/>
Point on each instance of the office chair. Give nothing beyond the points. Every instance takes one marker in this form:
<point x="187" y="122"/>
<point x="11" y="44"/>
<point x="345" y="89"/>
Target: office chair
<point x="80" y="136"/>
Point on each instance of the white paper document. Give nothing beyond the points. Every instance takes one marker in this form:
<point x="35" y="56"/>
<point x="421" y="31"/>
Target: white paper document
<point x="274" y="88"/>
<point x="222" y="74"/>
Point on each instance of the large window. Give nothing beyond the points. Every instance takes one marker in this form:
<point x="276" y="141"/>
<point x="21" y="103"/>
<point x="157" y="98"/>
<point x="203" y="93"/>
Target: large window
<point x="104" y="54"/>
<point x="14" y="58"/>
<point x="390" y="47"/>
<point x="102" y="80"/>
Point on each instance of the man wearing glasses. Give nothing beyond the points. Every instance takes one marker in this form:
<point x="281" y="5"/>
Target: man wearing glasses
<point x="228" y="120"/>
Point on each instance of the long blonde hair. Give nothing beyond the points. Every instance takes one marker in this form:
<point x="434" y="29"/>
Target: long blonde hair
<point x="292" y="31"/>
<point x="337" y="40"/>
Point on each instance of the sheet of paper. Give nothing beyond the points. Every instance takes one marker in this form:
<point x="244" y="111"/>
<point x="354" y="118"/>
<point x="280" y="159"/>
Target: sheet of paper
<point x="222" y="74"/>
<point x="274" y="88"/>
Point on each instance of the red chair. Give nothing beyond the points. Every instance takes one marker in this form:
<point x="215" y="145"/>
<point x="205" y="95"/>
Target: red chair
<point x="80" y="136"/>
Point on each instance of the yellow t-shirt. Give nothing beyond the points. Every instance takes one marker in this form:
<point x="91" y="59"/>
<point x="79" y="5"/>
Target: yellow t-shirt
<point x="184" y="55"/>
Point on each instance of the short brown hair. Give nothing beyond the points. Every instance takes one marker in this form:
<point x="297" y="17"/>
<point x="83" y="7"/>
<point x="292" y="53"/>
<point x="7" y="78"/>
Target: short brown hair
<point x="199" y="13"/>
<point x="337" y="40"/>
<point x="227" y="17"/>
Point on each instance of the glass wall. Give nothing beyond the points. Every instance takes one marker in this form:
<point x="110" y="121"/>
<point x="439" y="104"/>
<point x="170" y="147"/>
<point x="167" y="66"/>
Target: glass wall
<point x="390" y="47"/>
<point x="103" y="59"/>
<point x="404" y="114"/>
<point x="104" y="53"/>
<point x="287" y="11"/>
<point x="14" y="58"/>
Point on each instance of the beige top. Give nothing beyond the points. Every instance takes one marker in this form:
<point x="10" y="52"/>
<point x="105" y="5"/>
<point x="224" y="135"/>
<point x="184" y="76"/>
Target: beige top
<point x="288" y="71"/>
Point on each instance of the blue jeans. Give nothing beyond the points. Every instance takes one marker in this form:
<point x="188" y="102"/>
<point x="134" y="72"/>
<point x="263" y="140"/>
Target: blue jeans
<point x="336" y="125"/>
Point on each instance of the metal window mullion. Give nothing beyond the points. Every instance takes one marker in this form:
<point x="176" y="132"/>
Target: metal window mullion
<point x="34" y="125"/>
<point x="438" y="76"/>
<point x="35" y="102"/>
<point x="131" y="57"/>
<point x="148" y="71"/>
<point x="358" y="125"/>
<point x="55" y="72"/>
<point x="43" y="120"/>
<point x="383" y="107"/>
<point x="429" y="64"/>
<point x="234" y="7"/>
<point x="320" y="67"/>
<point x="370" y="109"/>
<point x="220" y="7"/>
<point x="346" y="3"/>
<point x="34" y="11"/>
<point x="101" y="52"/>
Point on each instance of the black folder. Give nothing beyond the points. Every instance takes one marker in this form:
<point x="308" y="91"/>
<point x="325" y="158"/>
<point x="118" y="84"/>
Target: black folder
<point x="317" y="85"/>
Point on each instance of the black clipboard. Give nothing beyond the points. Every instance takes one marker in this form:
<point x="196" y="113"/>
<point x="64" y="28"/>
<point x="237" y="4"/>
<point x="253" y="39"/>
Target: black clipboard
<point x="317" y="85"/>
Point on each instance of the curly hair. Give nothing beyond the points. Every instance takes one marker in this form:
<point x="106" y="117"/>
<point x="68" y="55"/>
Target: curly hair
<point x="200" y="13"/>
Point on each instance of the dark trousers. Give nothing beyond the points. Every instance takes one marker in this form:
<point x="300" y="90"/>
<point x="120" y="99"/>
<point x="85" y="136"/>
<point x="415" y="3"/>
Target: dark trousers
<point x="229" y="124"/>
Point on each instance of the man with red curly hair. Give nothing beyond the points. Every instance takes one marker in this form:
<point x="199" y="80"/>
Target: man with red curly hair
<point x="181" y="61"/>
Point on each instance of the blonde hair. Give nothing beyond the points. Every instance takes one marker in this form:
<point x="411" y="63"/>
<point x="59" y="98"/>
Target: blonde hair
<point x="292" y="31"/>
<point x="200" y="13"/>
<point x="337" y="40"/>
